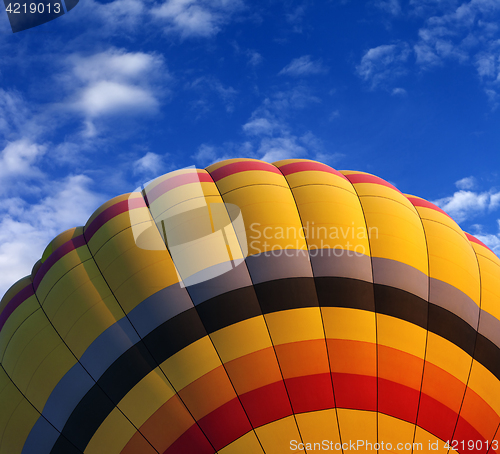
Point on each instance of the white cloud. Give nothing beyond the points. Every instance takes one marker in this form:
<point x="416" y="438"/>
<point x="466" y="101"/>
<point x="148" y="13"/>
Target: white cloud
<point x="25" y="230"/>
<point x="303" y="66"/>
<point x="399" y="91"/>
<point x="150" y="163"/>
<point x="490" y="239"/>
<point x="205" y="155"/>
<point x="196" y="18"/>
<point x="114" y="82"/>
<point x="383" y="63"/>
<point x="114" y="64"/>
<point x="254" y="58"/>
<point x="390" y="6"/>
<point x="465" y="205"/>
<point x="487" y="65"/>
<point x="120" y="14"/>
<point x="282" y="103"/>
<point x="268" y="133"/>
<point x="466" y="183"/>
<point x="17" y="118"/>
<point x="110" y="18"/>
<point x="425" y="55"/>
<point x="465" y="32"/>
<point x="18" y="160"/>
<point x="106" y="97"/>
<point x="277" y="148"/>
<point x="259" y="126"/>
<point x="331" y="159"/>
<point x="207" y="85"/>
<point x="334" y="115"/>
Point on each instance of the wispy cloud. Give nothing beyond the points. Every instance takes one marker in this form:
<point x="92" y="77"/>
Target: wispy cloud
<point x="18" y="160"/>
<point x="384" y="63"/>
<point x="390" y="6"/>
<point x="303" y="66"/>
<point x="467" y="33"/>
<point x="25" y="230"/>
<point x="209" y="85"/>
<point x="398" y="91"/>
<point x="492" y="240"/>
<point x="151" y="164"/>
<point x="254" y="58"/>
<point x="466" y="183"/>
<point x="276" y="148"/>
<point x="196" y="18"/>
<point x="466" y="204"/>
<point x="114" y="81"/>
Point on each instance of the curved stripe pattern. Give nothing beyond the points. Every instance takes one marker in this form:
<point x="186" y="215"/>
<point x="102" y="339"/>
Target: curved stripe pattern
<point x="255" y="308"/>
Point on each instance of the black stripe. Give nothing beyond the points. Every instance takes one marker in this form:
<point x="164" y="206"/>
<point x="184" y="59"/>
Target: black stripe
<point x="175" y="334"/>
<point x="451" y="327"/>
<point x="400" y="304"/>
<point x="225" y="310"/>
<point x="284" y="294"/>
<point x="229" y="308"/>
<point x="89" y="414"/>
<point x="345" y="292"/>
<point x="488" y="354"/>
<point x="128" y="370"/>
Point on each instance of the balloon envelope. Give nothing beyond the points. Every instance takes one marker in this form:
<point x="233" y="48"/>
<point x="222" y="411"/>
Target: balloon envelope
<point x="255" y="308"/>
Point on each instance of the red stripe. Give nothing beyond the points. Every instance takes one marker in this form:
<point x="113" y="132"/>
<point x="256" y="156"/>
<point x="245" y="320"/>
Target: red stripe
<point x="56" y="255"/>
<point x="363" y="178"/>
<point x="175" y="182"/>
<point x="305" y="166"/>
<point x="398" y="400"/>
<point x="242" y="166"/>
<point x="465" y="434"/>
<point x="111" y="212"/>
<point x="424" y="203"/>
<point x="310" y="392"/>
<point x="359" y="392"/>
<point x="355" y="391"/>
<point x="436" y="417"/>
<point x="190" y="442"/>
<point x="266" y="404"/>
<point x="14" y="303"/>
<point x="226" y="424"/>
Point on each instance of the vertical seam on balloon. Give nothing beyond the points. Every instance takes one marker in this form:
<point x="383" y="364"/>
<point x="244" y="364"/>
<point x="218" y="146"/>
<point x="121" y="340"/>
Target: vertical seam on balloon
<point x="427" y="327"/>
<point x="320" y="308"/>
<point x="146" y="347"/>
<point x="475" y="341"/>
<point x="13" y="382"/>
<point x="268" y="332"/>
<point x="29" y="402"/>
<point x="374" y="303"/>
<point x="71" y="351"/>
<point x="51" y="324"/>
<point x="494" y="435"/>
<point x="208" y="334"/>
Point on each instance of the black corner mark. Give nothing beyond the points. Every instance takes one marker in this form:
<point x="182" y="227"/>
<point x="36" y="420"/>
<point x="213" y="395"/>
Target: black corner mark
<point x="25" y="14"/>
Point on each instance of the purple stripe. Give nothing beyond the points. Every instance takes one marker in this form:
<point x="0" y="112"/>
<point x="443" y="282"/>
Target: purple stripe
<point x="80" y="241"/>
<point x="111" y="212"/>
<point x="14" y="303"/>
<point x="60" y="252"/>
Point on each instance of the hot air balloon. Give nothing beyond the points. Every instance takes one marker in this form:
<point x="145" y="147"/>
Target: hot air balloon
<point x="255" y="308"/>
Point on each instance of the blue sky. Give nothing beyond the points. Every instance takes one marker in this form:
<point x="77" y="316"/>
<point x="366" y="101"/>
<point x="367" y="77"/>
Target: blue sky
<point x="116" y="93"/>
